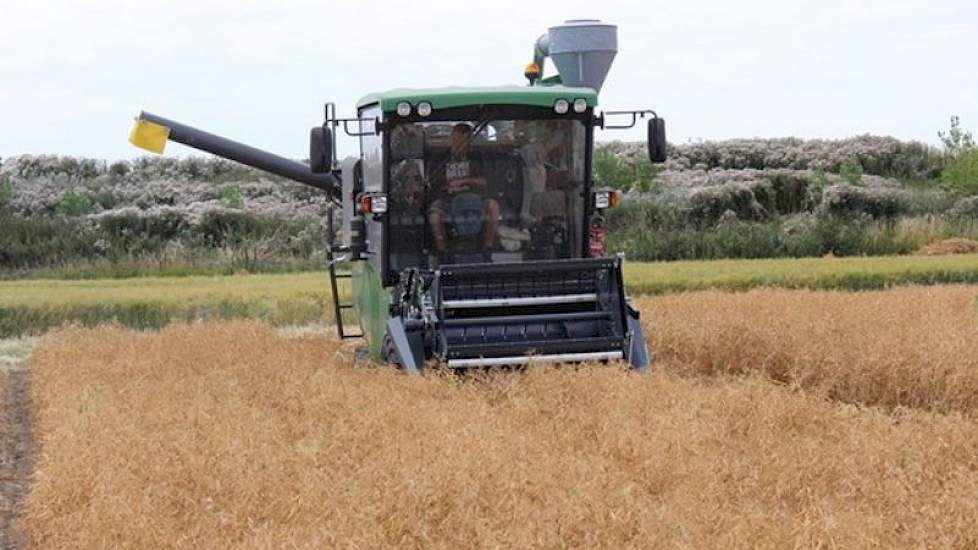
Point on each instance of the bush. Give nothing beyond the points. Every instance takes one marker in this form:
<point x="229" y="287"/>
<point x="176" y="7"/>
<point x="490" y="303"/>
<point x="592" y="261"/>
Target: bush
<point x="817" y="184"/>
<point x="611" y="171"/>
<point x="846" y="201"/>
<point x="6" y="194"/>
<point x="793" y="192"/>
<point x="73" y="204"/>
<point x="961" y="173"/>
<point x="878" y="155"/>
<point x="965" y="209"/>
<point x="119" y="170"/>
<point x="231" y="196"/>
<point x="35" y="242"/>
<point x="131" y="233"/>
<point x="708" y="204"/>
<point x="852" y="171"/>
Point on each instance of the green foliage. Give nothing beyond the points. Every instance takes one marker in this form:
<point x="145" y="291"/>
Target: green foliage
<point x="35" y="242"/>
<point x="956" y="140"/>
<point x="74" y="204"/>
<point x="127" y="234"/>
<point x="231" y="197"/>
<point x="799" y="236"/>
<point x="846" y="202"/>
<point x="6" y="194"/>
<point x="961" y="173"/>
<point x="134" y="243"/>
<point x="611" y="171"/>
<point x="852" y="172"/>
<point x="789" y="193"/>
<point x="816" y="185"/>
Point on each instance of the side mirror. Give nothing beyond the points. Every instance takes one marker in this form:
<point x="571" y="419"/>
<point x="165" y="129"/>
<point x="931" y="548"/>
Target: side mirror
<point x="320" y="150"/>
<point x="657" y="140"/>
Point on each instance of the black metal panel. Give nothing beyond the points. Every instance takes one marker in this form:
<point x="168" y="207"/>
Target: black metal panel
<point x="527" y="319"/>
<point x="538" y="278"/>
<point x="593" y="325"/>
<point x="542" y="347"/>
<point x="539" y="266"/>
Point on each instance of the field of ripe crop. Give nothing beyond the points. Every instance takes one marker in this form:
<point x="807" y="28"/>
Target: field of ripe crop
<point x="34" y="306"/>
<point x="774" y="419"/>
<point x="910" y="347"/>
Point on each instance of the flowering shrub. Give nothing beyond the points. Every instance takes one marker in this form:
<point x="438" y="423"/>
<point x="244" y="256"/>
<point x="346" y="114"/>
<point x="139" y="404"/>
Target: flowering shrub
<point x="847" y="200"/>
<point x="747" y="198"/>
<point x="878" y="155"/>
<point x="966" y="208"/>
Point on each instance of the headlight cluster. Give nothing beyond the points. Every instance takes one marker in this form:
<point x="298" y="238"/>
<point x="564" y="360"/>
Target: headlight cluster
<point x="404" y="109"/>
<point x="562" y="106"/>
<point x="373" y="203"/>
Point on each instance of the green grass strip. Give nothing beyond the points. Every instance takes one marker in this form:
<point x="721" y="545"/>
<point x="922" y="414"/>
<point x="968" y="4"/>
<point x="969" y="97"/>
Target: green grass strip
<point x="849" y="273"/>
<point x="29" y="307"/>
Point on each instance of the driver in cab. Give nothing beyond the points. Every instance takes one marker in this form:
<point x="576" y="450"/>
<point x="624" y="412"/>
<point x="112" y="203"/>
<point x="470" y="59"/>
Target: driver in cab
<point x="460" y="174"/>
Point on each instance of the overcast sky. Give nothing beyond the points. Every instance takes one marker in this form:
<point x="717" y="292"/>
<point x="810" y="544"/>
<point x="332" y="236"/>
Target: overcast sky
<point x="74" y="73"/>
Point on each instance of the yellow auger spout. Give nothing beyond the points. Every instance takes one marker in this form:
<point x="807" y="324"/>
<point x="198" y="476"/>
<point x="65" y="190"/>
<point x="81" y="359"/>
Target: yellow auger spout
<point x="149" y="135"/>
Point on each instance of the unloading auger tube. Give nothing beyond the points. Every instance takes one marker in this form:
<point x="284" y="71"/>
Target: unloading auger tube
<point x="161" y="129"/>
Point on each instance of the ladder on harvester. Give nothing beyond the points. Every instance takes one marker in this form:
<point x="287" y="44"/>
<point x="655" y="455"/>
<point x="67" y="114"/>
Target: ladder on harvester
<point x="331" y="261"/>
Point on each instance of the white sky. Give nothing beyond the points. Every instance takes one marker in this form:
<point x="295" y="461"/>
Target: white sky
<point x="74" y="73"/>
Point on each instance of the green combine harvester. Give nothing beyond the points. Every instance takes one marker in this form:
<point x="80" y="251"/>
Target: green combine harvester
<point x="470" y="221"/>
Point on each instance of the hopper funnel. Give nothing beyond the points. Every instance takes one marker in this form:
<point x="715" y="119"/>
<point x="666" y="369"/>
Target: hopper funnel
<point x="583" y="50"/>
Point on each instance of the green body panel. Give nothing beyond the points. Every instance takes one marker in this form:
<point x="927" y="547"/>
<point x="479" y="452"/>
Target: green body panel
<point x="372" y="303"/>
<point x="444" y="98"/>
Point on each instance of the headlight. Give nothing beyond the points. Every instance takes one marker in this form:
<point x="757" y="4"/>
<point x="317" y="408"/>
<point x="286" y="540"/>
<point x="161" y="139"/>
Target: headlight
<point x="580" y="105"/>
<point x="403" y="108"/>
<point x="561" y="106"/>
<point x="373" y="203"/>
<point x="424" y="108"/>
<point x="379" y="204"/>
<point x="602" y="200"/>
<point x="606" y="199"/>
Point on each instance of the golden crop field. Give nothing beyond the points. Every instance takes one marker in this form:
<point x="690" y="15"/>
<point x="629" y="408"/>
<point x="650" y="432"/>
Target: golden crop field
<point x="911" y="347"/>
<point x="773" y="419"/>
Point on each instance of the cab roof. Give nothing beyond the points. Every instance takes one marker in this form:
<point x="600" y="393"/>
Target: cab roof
<point x="444" y="98"/>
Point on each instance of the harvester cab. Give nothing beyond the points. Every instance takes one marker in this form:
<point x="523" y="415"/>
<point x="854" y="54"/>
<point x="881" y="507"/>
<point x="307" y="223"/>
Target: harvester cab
<point x="470" y="220"/>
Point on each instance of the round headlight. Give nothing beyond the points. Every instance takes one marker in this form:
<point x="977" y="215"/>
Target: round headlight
<point x="580" y="105"/>
<point x="424" y="108"/>
<point x="403" y="108"/>
<point x="561" y="106"/>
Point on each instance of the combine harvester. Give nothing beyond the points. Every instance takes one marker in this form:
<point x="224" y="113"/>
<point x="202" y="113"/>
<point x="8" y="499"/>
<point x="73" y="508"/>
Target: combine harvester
<point x="470" y="219"/>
